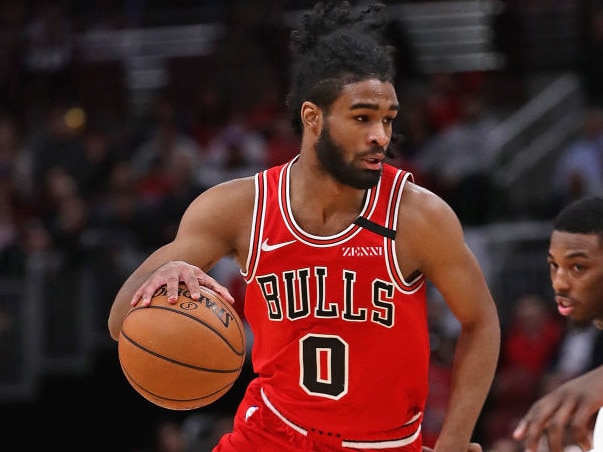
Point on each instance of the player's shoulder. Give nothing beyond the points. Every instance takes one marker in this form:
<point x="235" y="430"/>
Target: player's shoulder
<point x="234" y="190"/>
<point x="240" y="187"/>
<point x="423" y="202"/>
<point x="234" y="197"/>
<point x="425" y="216"/>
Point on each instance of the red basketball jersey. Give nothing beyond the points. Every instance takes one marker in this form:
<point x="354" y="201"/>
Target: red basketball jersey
<point x="340" y="337"/>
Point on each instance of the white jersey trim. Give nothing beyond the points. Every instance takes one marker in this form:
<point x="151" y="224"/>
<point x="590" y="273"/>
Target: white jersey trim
<point x="348" y="443"/>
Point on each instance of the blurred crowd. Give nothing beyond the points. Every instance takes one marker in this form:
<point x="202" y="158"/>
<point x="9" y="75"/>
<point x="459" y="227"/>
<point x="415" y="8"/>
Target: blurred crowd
<point x="83" y="178"/>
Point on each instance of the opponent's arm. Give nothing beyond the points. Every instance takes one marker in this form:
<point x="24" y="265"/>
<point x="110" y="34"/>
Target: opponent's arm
<point x="433" y="239"/>
<point x="217" y="223"/>
<point x="570" y="407"/>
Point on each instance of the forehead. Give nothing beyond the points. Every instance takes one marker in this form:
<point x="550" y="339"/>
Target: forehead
<point x="568" y="244"/>
<point x="370" y="92"/>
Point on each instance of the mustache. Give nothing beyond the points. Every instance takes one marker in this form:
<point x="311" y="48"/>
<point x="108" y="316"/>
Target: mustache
<point x="564" y="296"/>
<point x="374" y="151"/>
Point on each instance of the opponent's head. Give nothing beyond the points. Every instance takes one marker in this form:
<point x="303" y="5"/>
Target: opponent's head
<point x="583" y="216"/>
<point x="336" y="45"/>
<point x="576" y="260"/>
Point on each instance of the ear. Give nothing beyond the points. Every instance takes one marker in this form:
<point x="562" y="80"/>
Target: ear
<point x="311" y="116"/>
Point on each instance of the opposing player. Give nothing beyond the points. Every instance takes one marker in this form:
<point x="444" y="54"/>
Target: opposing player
<point x="576" y="266"/>
<point x="336" y="248"/>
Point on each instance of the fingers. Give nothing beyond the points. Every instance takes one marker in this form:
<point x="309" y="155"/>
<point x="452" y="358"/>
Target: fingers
<point x="532" y="426"/>
<point x="530" y="430"/>
<point x="171" y="275"/>
<point x="211" y="283"/>
<point x="549" y="417"/>
<point x="567" y="411"/>
<point x="520" y="431"/>
<point x="555" y="430"/>
<point x="581" y="427"/>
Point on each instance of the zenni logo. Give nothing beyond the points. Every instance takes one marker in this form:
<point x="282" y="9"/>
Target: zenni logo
<point x="355" y="251"/>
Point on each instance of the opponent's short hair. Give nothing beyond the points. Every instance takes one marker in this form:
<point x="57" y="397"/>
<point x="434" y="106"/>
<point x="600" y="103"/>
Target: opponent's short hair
<point x="336" y="45"/>
<point x="582" y="216"/>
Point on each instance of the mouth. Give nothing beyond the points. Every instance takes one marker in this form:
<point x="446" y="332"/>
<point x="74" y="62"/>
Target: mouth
<point x="373" y="161"/>
<point x="565" y="306"/>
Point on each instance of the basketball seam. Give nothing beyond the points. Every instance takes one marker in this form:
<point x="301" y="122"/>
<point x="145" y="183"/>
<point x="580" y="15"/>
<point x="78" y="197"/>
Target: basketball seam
<point x="180" y="363"/>
<point x="168" y="399"/>
<point x="207" y="325"/>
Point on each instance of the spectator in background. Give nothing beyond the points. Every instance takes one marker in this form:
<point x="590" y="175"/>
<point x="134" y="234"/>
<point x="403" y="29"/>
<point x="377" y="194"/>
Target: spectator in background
<point x="236" y="151"/>
<point x="58" y="186"/>
<point x="100" y="156"/>
<point x="529" y="342"/>
<point x="57" y="144"/>
<point x="182" y="187"/>
<point x="456" y="162"/>
<point x="48" y="54"/>
<point x="444" y="101"/>
<point x="119" y="222"/>
<point x="281" y="142"/>
<point x="209" y="114"/>
<point x="66" y="216"/>
<point x="32" y="242"/>
<point x="414" y="125"/>
<point x="242" y="58"/>
<point x="580" y="351"/>
<point x="443" y="335"/>
<point x="164" y="139"/>
<point x="8" y="232"/>
<point x="579" y="169"/>
<point x="16" y="166"/>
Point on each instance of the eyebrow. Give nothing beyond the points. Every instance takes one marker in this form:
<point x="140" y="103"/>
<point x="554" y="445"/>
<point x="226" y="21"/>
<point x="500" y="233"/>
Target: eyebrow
<point x="372" y="106"/>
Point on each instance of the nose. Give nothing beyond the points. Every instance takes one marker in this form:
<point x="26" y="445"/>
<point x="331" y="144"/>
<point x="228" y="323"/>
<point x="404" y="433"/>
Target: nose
<point x="559" y="281"/>
<point x="379" y="135"/>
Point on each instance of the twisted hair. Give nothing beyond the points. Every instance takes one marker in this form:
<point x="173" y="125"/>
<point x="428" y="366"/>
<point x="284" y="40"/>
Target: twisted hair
<point x="336" y="45"/>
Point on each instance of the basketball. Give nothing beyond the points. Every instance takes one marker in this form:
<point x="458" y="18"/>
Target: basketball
<point x="185" y="355"/>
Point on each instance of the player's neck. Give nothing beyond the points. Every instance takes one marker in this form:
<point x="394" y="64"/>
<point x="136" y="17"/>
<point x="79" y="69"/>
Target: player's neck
<point x="320" y="204"/>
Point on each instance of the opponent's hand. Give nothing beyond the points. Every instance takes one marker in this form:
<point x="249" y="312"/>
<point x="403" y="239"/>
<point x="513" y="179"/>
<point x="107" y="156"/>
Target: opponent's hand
<point x="567" y="409"/>
<point x="171" y="275"/>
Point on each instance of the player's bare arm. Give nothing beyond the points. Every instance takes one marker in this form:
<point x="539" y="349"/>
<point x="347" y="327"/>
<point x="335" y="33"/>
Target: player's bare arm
<point x="215" y="225"/>
<point x="571" y="407"/>
<point x="432" y="241"/>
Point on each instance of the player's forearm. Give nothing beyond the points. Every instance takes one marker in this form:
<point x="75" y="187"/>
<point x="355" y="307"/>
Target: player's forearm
<point x="122" y="303"/>
<point x="119" y="309"/>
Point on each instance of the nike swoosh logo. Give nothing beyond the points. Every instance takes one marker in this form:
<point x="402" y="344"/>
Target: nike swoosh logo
<point x="276" y="246"/>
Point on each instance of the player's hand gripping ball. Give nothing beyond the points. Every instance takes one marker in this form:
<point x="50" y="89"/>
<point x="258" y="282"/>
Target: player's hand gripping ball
<point x="185" y="355"/>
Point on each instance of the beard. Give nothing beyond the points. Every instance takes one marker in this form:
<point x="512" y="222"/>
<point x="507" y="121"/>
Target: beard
<point x="331" y="156"/>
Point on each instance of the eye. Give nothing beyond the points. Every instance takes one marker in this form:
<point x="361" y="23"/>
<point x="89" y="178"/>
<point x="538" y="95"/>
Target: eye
<point x="577" y="268"/>
<point x="388" y="121"/>
<point x="362" y="118"/>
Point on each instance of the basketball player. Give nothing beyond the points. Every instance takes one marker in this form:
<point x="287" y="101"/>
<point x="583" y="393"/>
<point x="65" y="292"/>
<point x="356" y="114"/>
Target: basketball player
<point x="336" y="247"/>
<point x="576" y="266"/>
